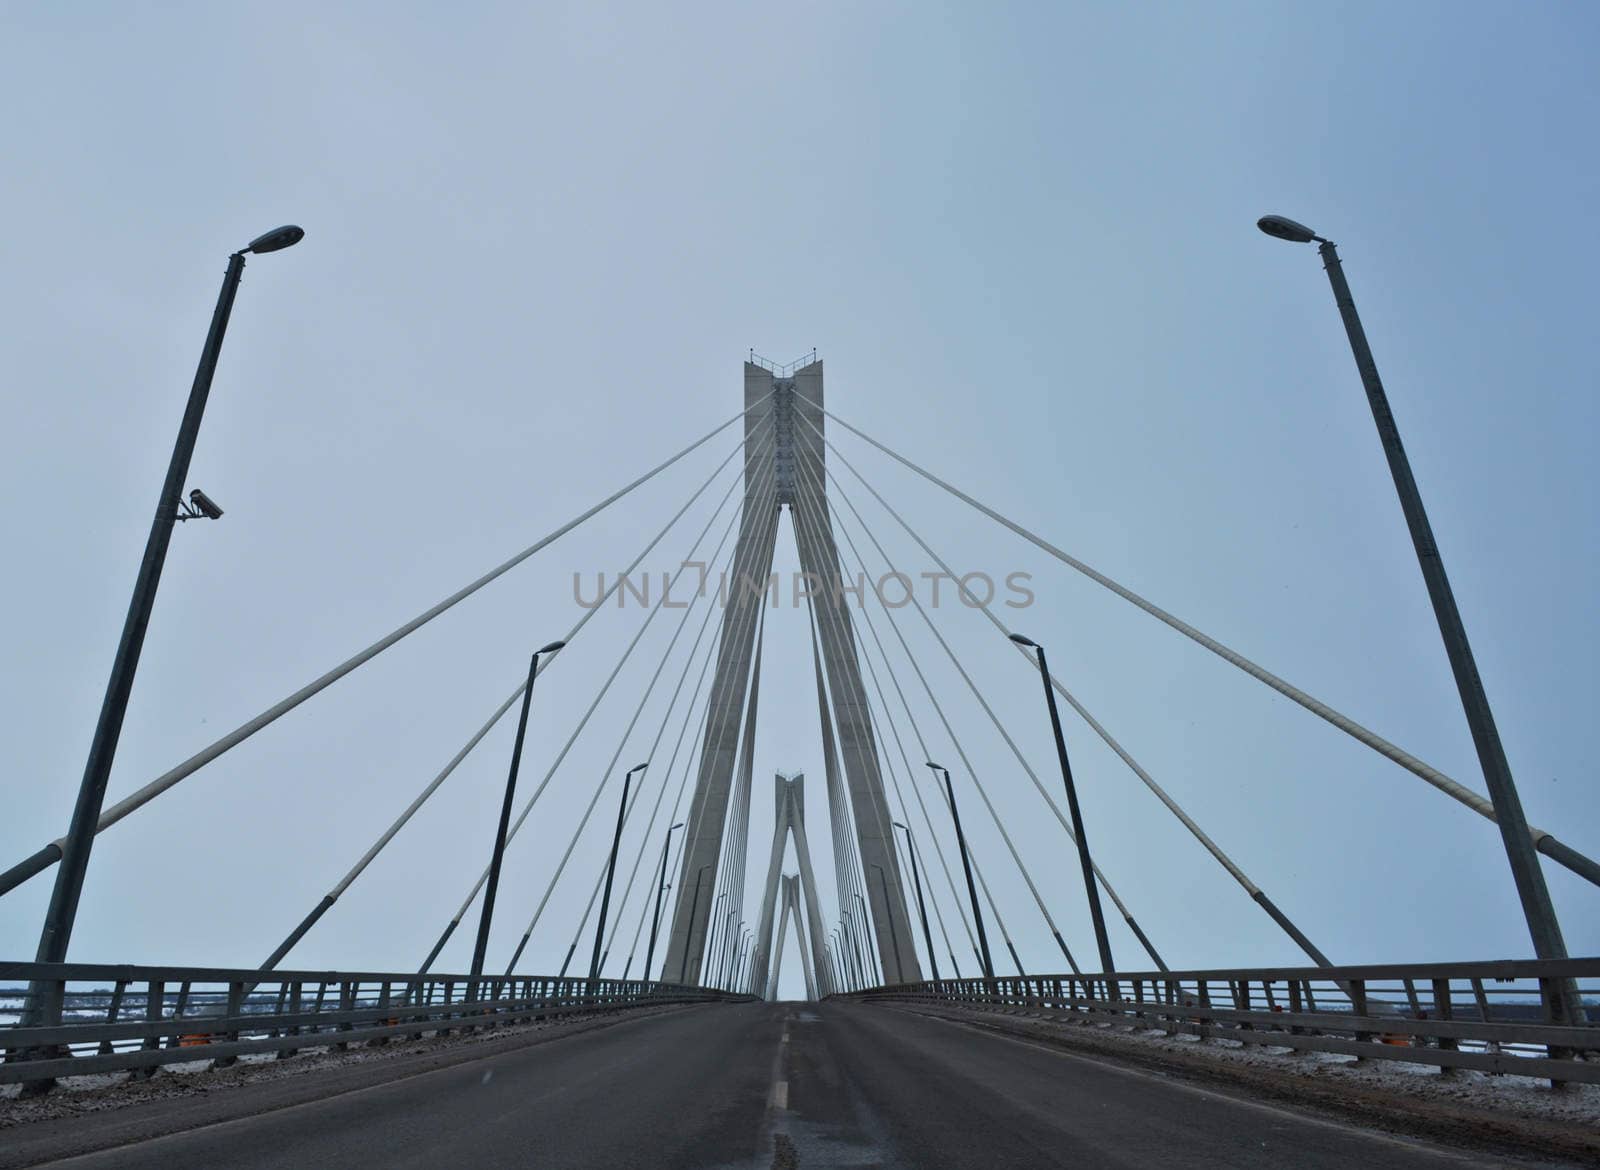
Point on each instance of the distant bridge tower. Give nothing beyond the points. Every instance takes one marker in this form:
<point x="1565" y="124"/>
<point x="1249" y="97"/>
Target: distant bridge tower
<point x="783" y="428"/>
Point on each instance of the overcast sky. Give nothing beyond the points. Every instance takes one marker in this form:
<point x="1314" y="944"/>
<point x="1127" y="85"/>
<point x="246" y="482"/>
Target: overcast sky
<point x="540" y="239"/>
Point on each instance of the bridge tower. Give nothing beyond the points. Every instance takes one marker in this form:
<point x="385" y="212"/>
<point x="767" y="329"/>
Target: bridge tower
<point x="786" y="471"/>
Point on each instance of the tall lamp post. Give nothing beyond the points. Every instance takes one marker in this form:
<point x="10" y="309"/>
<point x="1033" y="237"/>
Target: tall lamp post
<point x="62" y="912"/>
<point x="611" y="870"/>
<point x="1536" y="905"/>
<point x="922" y="909"/>
<point x="966" y="865"/>
<point x="489" y="890"/>
<point x="1095" y="913"/>
<point x="661" y="888"/>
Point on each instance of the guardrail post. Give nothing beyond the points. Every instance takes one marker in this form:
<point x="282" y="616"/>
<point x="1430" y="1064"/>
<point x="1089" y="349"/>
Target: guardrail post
<point x="1357" y="990"/>
<point x="155" y="995"/>
<point x="177" y="1015"/>
<point x="233" y="1009"/>
<point x="113" y="1010"/>
<point x="1442" y="1011"/>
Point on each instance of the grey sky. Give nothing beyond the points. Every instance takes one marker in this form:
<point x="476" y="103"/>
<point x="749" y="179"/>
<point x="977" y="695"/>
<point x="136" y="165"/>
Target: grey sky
<point x="540" y="239"/>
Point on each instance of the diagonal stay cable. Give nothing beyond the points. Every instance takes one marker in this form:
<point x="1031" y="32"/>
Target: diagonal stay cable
<point x="677" y="800"/>
<point x="971" y="600"/>
<point x="595" y="703"/>
<point x="621" y="743"/>
<point x="994" y="815"/>
<point x="47" y="856"/>
<point x="1027" y="768"/>
<point x="433" y="785"/>
<point x="763" y="537"/>
<point x="1544" y="841"/>
<point x="666" y="773"/>
<point x="911" y="782"/>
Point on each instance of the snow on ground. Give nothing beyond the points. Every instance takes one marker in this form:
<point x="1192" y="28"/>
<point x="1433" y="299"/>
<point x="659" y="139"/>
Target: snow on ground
<point x="1528" y="1097"/>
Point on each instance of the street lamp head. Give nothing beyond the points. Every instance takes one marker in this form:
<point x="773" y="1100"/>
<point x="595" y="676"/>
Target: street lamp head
<point x="1023" y="640"/>
<point x="639" y="767"/>
<point x="936" y="767"/>
<point x="549" y="648"/>
<point x="277" y="239"/>
<point x="1286" y="229"/>
<point x="898" y="825"/>
<point x="679" y="825"/>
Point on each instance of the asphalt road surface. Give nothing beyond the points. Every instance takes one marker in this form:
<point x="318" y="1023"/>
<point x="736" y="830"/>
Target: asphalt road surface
<point x="774" y="1085"/>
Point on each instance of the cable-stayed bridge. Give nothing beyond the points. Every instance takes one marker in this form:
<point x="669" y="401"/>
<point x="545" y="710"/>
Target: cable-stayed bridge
<point x="904" y="914"/>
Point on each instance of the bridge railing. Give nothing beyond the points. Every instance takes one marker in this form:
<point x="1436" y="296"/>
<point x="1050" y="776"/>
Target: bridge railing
<point x="1497" y="1017"/>
<point x="116" y="1018"/>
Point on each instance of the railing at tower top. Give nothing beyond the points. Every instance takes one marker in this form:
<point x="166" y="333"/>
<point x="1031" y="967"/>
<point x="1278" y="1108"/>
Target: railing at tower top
<point x="1494" y="1016"/>
<point x="118" y="1017"/>
<point x="783" y="371"/>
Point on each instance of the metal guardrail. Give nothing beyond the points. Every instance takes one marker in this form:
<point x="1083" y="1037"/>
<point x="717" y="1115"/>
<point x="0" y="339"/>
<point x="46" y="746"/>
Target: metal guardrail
<point x="117" y="1018"/>
<point x="787" y="368"/>
<point x="1497" y="1017"/>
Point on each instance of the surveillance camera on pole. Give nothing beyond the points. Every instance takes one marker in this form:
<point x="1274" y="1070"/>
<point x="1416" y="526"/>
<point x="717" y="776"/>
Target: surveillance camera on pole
<point x="199" y="505"/>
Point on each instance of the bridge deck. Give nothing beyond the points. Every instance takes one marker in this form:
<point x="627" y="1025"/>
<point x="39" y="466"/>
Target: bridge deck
<point x="748" y="1085"/>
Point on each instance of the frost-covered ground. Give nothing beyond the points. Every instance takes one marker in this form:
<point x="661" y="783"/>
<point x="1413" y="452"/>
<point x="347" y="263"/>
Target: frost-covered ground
<point x="107" y="1091"/>
<point x="1512" y="1096"/>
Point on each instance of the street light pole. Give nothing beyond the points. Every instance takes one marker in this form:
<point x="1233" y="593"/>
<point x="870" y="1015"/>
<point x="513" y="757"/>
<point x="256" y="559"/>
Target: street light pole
<point x="661" y="888"/>
<point x="611" y="870"/>
<point x="1095" y="914"/>
<point x="966" y="865"/>
<point x="922" y="909"/>
<point x="62" y="912"/>
<point x="493" y="886"/>
<point x="1537" y="907"/>
<point x="899" y="971"/>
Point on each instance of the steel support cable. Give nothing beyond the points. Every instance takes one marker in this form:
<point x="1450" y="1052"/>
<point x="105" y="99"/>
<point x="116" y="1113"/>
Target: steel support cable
<point x="972" y="857"/>
<point x="715" y="738"/>
<point x="666" y="773"/>
<point x="994" y="815"/>
<point x="1257" y="895"/>
<point x="911" y="772"/>
<point x="834" y="801"/>
<point x="656" y="743"/>
<point x="710" y="653"/>
<point x="433" y="785"/>
<point x="1544" y="842"/>
<point x="689" y="763"/>
<point x="622" y="740"/>
<point x="677" y="799"/>
<point x="1004" y="734"/>
<point x="894" y="778"/>
<point x="842" y="634"/>
<point x="854" y="869"/>
<point x="894" y="730"/>
<point x="51" y="853"/>
<point x="845" y="862"/>
<point x="595" y="703"/>
<point x="737" y="822"/>
<point x="915" y="790"/>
